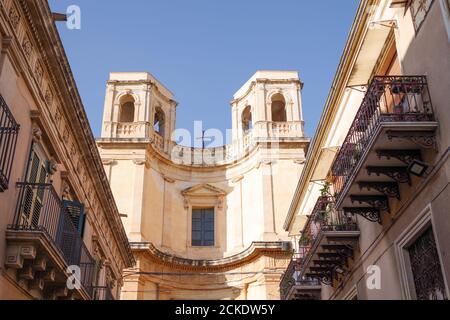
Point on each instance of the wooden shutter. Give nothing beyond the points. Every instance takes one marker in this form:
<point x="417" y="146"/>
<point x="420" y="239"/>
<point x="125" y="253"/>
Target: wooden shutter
<point x="68" y="239"/>
<point x="203" y="230"/>
<point x="33" y="198"/>
<point x="75" y="210"/>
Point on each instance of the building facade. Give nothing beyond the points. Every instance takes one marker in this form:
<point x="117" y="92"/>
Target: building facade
<point x="369" y="217"/>
<point x="58" y="217"/>
<point x="205" y="223"/>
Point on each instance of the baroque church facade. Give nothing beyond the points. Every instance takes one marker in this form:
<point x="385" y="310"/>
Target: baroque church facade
<point x="204" y="223"/>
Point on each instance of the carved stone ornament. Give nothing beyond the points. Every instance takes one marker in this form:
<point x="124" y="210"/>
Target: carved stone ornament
<point x="186" y="204"/>
<point x="37" y="133"/>
<point x="108" y="162"/>
<point x="27" y="48"/>
<point x="14" y="17"/>
<point x="52" y="167"/>
<point x="220" y="202"/>
<point x="139" y="162"/>
<point x="66" y="190"/>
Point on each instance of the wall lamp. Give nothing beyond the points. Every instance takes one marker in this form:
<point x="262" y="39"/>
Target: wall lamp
<point x="418" y="168"/>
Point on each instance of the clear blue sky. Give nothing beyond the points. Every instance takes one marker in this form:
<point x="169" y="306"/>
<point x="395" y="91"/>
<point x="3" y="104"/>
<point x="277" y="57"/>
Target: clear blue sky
<point x="204" y="50"/>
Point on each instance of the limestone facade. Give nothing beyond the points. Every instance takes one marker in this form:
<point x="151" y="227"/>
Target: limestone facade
<point x="57" y="209"/>
<point x="162" y="188"/>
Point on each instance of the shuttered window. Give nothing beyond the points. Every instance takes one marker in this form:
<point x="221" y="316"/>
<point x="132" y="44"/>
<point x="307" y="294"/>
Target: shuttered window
<point x="9" y="131"/>
<point x="203" y="227"/>
<point x="75" y="211"/>
<point x="34" y="196"/>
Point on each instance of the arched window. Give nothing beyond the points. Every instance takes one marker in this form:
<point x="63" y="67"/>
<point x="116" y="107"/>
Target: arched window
<point x="160" y="120"/>
<point x="247" y="123"/>
<point x="278" y="108"/>
<point x="127" y="109"/>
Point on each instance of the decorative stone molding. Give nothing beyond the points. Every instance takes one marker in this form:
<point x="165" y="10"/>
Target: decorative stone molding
<point x="48" y="97"/>
<point x="37" y="133"/>
<point x="220" y="202"/>
<point x="108" y="162"/>
<point x="39" y="73"/>
<point x="52" y="167"/>
<point x="238" y="179"/>
<point x="6" y="44"/>
<point x="256" y="250"/>
<point x="139" y="162"/>
<point x="14" y="17"/>
<point x="27" y="48"/>
<point x="203" y="190"/>
<point x="65" y="190"/>
<point x="186" y="203"/>
<point x="168" y="179"/>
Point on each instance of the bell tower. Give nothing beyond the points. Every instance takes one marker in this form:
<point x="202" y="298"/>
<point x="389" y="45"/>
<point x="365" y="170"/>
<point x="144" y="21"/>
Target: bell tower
<point x="137" y="106"/>
<point x="267" y="103"/>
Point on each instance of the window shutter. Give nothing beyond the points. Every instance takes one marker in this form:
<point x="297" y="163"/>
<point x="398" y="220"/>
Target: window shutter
<point x="75" y="210"/>
<point x="203" y="228"/>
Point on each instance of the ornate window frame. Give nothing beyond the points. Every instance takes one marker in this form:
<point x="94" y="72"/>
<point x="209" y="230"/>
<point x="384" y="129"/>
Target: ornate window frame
<point x="411" y="233"/>
<point x="205" y="196"/>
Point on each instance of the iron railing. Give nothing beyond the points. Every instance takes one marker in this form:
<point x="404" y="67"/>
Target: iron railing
<point x="292" y="276"/>
<point x="324" y="218"/>
<point x="9" y="131"/>
<point x="39" y="209"/>
<point x="388" y="99"/>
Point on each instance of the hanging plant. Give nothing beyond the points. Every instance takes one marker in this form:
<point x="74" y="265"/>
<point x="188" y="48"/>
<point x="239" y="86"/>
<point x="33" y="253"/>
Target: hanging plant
<point x="325" y="191"/>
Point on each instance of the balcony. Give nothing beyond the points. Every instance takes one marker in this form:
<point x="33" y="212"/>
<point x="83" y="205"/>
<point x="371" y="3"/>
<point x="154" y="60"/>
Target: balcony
<point x="279" y="130"/>
<point x="43" y="242"/>
<point x="332" y="238"/>
<point x="393" y="127"/>
<point x="210" y="157"/>
<point x="294" y="287"/>
<point x="128" y="130"/>
<point x="9" y="131"/>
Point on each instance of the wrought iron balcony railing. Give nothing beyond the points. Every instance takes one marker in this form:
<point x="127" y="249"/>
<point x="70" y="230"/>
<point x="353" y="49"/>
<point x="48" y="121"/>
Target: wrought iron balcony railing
<point x="324" y="221"/>
<point x="39" y="209"/>
<point x="325" y="217"/>
<point x="9" y="131"/>
<point x="291" y="277"/>
<point x="389" y="99"/>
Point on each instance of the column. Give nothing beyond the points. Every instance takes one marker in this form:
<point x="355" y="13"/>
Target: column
<point x="268" y="203"/>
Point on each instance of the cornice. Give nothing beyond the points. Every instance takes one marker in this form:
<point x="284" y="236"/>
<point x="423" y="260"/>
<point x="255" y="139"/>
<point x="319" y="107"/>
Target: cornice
<point x="266" y="81"/>
<point x="256" y="250"/>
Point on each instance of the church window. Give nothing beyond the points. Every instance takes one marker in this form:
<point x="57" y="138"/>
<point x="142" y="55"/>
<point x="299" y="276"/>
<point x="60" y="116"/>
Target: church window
<point x="127" y="109"/>
<point x="278" y="108"/>
<point x="203" y="227"/>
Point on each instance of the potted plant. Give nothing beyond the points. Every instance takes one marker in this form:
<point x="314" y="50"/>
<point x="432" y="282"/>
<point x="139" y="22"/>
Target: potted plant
<point x="305" y="240"/>
<point x="397" y="89"/>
